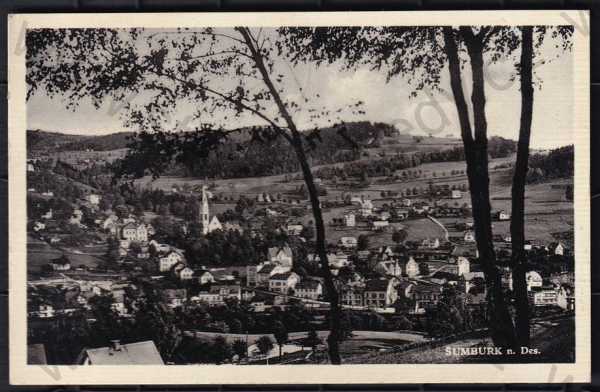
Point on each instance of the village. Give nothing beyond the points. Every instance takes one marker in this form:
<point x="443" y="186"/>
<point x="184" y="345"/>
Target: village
<point x="383" y="270"/>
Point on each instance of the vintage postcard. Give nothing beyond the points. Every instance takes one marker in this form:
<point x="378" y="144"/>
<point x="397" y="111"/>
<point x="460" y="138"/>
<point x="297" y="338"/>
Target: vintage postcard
<point x="256" y="198"/>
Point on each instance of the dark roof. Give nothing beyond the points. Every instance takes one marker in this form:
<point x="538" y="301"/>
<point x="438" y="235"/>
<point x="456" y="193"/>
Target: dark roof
<point x="282" y="276"/>
<point x="308" y="285"/>
<point x="377" y="285"/>
<point x="267" y="269"/>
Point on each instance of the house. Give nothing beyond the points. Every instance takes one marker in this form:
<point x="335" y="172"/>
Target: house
<point x="464" y="265"/>
<point x="565" y="297"/>
<point x="379" y="225"/>
<point x="456" y="194"/>
<point x="214" y="224"/>
<point x="533" y="279"/>
<point x="267" y="270"/>
<point x="48" y="194"/>
<point x="47" y="214"/>
<point x="158" y="247"/>
<point x="308" y="289"/>
<point x="380" y="293"/>
<point x="402" y="214"/>
<point x="466" y="251"/>
<point x="227" y="290"/>
<point x="135" y="232"/>
<point x="94" y="199"/>
<point x="204" y="277"/>
<point x="138" y="353"/>
<point x="76" y="217"/>
<point x="212" y="299"/>
<point x="543" y="296"/>
<point x="389" y="268"/>
<point x="37" y="226"/>
<point x="527" y="245"/>
<point x="61" y="263"/>
<point x="281" y="255"/>
<point x="294" y="229"/>
<point x="350" y="219"/>
<point x="283" y="282"/>
<point x="426" y="296"/>
<point x="431" y="243"/>
<point x="411" y="269"/>
<point x="45" y="311"/>
<point x="502" y="215"/>
<point x="174" y="298"/>
<point x="353" y="294"/>
<point x="366" y="207"/>
<point x="30" y="167"/>
<point x="469" y="236"/>
<point x="186" y="273"/>
<point x="556" y="248"/>
<point x="406" y="202"/>
<point x="471" y="279"/>
<point x="348" y="242"/>
<point x="168" y="260"/>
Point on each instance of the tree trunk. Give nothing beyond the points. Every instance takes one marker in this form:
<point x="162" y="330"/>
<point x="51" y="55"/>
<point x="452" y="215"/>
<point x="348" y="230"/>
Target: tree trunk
<point x="296" y="142"/>
<point x="517" y="223"/>
<point x="499" y="319"/>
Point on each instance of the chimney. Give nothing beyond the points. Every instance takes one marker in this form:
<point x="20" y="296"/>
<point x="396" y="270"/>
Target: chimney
<point x="115" y="345"/>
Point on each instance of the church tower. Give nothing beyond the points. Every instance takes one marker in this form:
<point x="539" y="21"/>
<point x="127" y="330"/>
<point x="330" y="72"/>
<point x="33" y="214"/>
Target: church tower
<point x="204" y="211"/>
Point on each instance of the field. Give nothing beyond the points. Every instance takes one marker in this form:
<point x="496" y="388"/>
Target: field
<point x="545" y="204"/>
<point x="40" y="253"/>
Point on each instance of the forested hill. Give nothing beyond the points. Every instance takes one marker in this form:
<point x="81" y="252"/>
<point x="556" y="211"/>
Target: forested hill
<point x="245" y="156"/>
<point x="557" y="163"/>
<point x="45" y="141"/>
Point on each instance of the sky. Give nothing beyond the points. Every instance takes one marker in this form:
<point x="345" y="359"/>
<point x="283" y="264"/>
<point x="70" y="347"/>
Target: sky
<point x="384" y="101"/>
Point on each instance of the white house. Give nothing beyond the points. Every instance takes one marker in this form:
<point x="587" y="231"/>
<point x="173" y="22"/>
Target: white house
<point x="350" y="219"/>
<point x="167" y="261"/>
<point x="464" y="265"/>
<point x="214" y="224"/>
<point x="45" y="311"/>
<point x="309" y="289"/>
<point x="469" y="236"/>
<point x="61" y="263"/>
<point x="411" y="268"/>
<point x="39" y="226"/>
<point x="348" y="242"/>
<point x="281" y="255"/>
<point x="389" y="267"/>
<point x="135" y="232"/>
<point x="294" y="229"/>
<point x="503" y="215"/>
<point x="379" y="225"/>
<point x="205" y="277"/>
<point x="366" y="207"/>
<point x="186" y="273"/>
<point x="47" y="215"/>
<point x="94" y="199"/>
<point x="534" y="279"/>
<point x="456" y="194"/>
<point x="282" y="283"/>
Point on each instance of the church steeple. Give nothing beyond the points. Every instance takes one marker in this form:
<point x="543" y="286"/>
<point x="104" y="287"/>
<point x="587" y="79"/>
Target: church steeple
<point x="204" y="211"/>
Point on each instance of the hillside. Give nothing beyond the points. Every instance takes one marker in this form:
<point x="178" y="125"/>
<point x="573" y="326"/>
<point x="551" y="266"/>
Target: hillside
<point x="44" y="141"/>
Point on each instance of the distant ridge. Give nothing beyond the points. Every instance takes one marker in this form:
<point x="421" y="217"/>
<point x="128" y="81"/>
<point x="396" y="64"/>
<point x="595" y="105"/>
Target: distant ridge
<point x="38" y="140"/>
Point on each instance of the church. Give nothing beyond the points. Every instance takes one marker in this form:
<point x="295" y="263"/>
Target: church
<point x="208" y="225"/>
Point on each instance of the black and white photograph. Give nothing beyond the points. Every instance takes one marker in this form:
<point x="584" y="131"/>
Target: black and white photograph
<point x="239" y="195"/>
